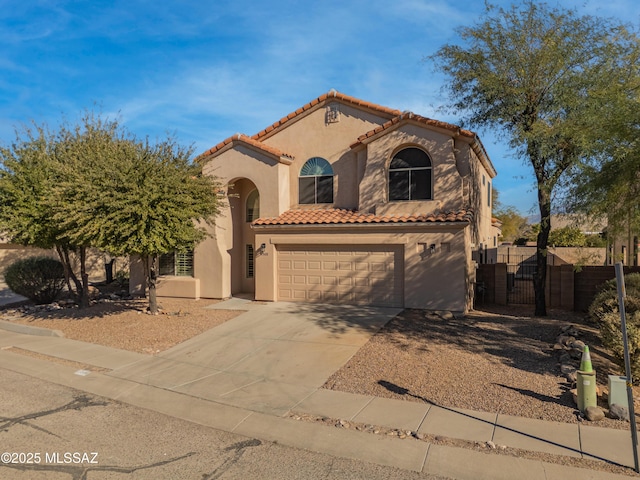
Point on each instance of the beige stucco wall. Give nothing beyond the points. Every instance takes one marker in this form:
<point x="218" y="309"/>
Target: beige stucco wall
<point x="447" y="183"/>
<point x="310" y="136"/>
<point x="213" y="260"/>
<point x="431" y="280"/>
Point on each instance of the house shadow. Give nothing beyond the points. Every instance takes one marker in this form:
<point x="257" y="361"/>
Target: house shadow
<point x="341" y="319"/>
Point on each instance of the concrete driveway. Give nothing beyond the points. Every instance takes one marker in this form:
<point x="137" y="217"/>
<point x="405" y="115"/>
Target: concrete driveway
<point x="268" y="359"/>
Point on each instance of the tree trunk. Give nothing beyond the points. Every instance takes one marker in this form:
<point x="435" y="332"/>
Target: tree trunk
<point x="540" y="277"/>
<point x="69" y="276"/>
<point x="150" y="263"/>
<point x="108" y="270"/>
<point x="84" y="294"/>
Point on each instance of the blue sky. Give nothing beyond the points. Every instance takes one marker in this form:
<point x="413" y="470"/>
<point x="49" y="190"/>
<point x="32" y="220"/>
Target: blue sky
<point x="204" y="70"/>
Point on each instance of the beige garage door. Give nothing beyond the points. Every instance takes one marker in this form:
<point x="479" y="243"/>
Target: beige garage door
<point x="362" y="275"/>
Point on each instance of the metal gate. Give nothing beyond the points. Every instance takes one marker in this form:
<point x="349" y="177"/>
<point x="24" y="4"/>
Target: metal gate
<point x="520" y="272"/>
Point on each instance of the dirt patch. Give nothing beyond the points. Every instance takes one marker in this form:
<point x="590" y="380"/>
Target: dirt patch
<point x="125" y="324"/>
<point x="498" y="361"/>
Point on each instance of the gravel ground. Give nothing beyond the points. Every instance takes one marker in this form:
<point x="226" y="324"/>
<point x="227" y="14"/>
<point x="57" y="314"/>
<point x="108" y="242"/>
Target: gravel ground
<point x="494" y="361"/>
<point x="126" y="325"/>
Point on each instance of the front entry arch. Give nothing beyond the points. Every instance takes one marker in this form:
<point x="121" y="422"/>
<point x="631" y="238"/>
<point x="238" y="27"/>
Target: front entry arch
<point x="244" y="203"/>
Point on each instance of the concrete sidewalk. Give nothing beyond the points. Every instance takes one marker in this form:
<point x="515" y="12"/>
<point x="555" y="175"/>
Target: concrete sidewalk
<point x="248" y="375"/>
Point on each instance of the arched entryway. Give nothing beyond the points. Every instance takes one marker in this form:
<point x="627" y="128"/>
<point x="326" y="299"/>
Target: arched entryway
<point x="244" y="202"/>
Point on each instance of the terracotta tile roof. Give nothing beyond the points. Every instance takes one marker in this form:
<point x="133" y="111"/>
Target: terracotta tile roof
<point x="395" y="117"/>
<point x="339" y="216"/>
<point x="410" y="116"/>
<point x="256" y="140"/>
<point x="239" y="137"/>
<point x="322" y="99"/>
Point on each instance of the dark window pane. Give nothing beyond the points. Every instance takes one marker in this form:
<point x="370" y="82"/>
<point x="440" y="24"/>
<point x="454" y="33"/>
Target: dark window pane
<point x="325" y="189"/>
<point x="184" y="264"/>
<point x="249" y="260"/>
<point x="420" y="184"/>
<point x="307" y="190"/>
<point x="397" y="163"/>
<point x="410" y="158"/>
<point x="253" y="206"/>
<point x="399" y="185"/>
<point x="167" y="264"/>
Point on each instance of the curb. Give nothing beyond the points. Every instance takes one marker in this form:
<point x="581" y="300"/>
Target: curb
<point x="29" y="330"/>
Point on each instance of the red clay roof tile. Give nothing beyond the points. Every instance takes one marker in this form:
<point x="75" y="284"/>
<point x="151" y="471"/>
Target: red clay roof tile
<point x="397" y="116"/>
<point x="410" y="116"/>
<point x="248" y="140"/>
<point x="322" y="98"/>
<point x="330" y="216"/>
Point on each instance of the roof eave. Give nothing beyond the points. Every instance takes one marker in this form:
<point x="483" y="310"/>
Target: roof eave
<point x="239" y="139"/>
<point x="459" y="223"/>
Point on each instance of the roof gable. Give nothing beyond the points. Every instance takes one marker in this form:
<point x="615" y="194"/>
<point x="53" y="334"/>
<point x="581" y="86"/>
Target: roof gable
<point x="396" y="119"/>
<point x="320" y="102"/>
<point x="240" y="138"/>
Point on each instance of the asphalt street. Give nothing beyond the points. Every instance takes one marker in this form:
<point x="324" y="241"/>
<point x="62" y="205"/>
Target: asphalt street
<point x="52" y="432"/>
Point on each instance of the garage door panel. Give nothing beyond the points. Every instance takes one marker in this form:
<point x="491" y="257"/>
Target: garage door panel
<point x="365" y="275"/>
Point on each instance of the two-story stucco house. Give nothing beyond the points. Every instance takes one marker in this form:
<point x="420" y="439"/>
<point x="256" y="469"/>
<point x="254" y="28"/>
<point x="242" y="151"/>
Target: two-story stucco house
<point x="345" y="201"/>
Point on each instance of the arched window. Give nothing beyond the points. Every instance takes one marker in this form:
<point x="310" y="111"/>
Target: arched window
<point x="410" y="176"/>
<point x="253" y="206"/>
<point x="316" y="181"/>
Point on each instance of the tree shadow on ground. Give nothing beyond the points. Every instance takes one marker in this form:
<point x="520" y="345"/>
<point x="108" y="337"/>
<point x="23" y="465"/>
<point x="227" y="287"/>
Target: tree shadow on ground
<point x="95" y="310"/>
<point x="340" y="319"/>
<point x="520" y="342"/>
<point x="397" y="389"/>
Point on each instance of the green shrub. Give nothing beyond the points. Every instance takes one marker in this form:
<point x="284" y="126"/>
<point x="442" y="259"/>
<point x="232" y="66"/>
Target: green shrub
<point x="40" y="279"/>
<point x="122" y="278"/>
<point x="604" y="310"/>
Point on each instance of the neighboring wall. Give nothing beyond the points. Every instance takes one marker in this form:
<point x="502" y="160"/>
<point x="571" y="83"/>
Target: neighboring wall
<point x="568" y="287"/>
<point x="589" y="280"/>
<point x="557" y="255"/>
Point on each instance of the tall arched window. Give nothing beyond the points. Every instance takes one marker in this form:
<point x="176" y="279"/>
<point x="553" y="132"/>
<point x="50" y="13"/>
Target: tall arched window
<point x="410" y="176"/>
<point x="316" y="182"/>
<point x="253" y="206"/>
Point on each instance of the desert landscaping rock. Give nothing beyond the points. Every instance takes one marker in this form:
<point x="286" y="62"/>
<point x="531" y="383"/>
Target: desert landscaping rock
<point x="594" y="414"/>
<point x="619" y="412"/>
<point x="569" y="371"/>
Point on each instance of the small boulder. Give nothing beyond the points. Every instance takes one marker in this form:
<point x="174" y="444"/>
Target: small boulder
<point x="93" y="292"/>
<point x="578" y="345"/>
<point x="569" y="372"/>
<point x="594" y="414"/>
<point x="618" y="412"/>
<point x="565" y="357"/>
<point x="445" y="314"/>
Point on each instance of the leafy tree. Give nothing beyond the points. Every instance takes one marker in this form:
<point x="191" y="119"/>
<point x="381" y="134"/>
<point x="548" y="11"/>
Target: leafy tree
<point x="542" y="76"/>
<point x="609" y="186"/>
<point x="567" y="237"/>
<point x="27" y="199"/>
<point x="513" y="224"/>
<point x="530" y="234"/>
<point x="136" y="198"/>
